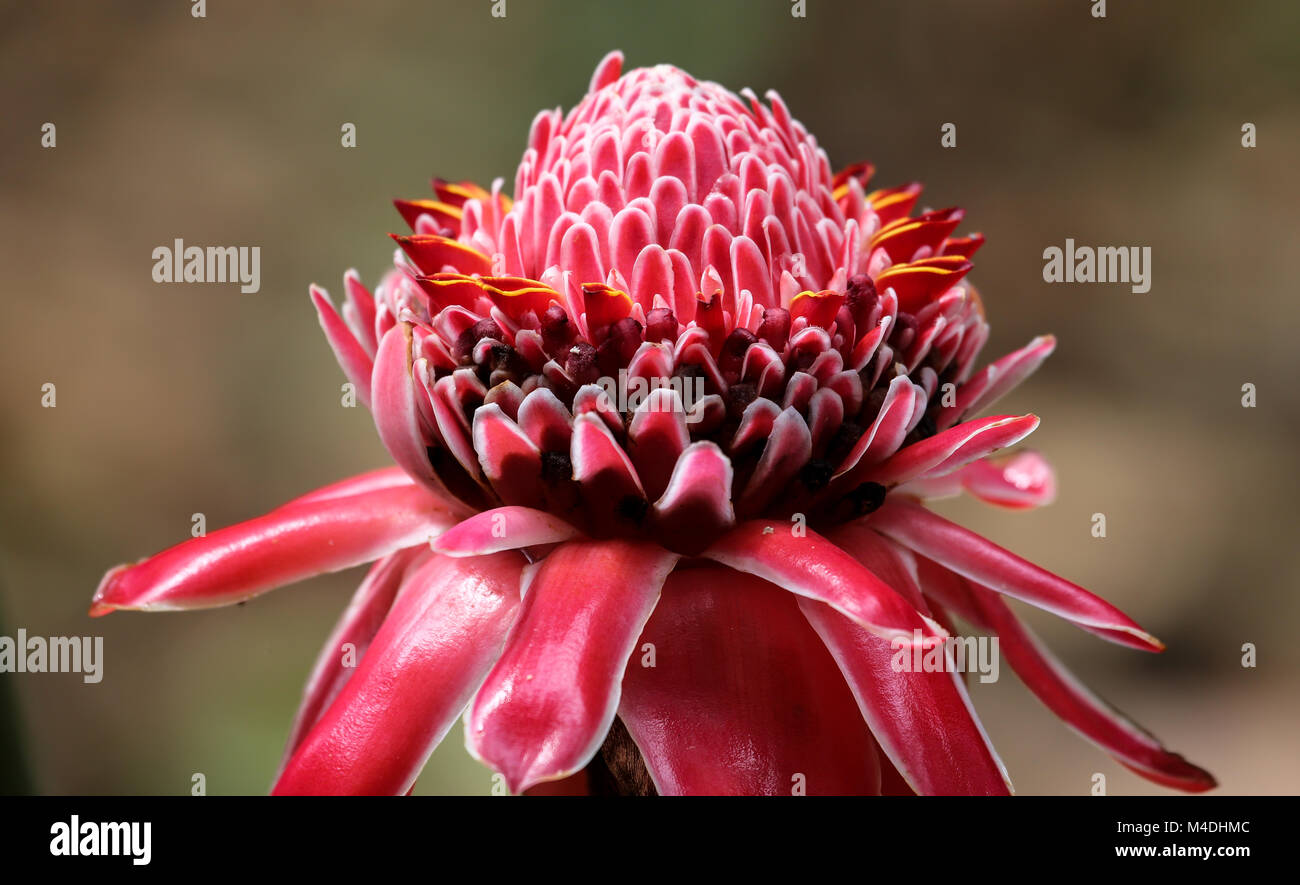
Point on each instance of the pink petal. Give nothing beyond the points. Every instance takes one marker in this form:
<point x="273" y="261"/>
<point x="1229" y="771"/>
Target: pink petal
<point x="984" y="562"/>
<point x="1020" y="481"/>
<point x="755" y="425"/>
<point x="453" y="425"/>
<point x="292" y="542"/>
<point x="352" y="357"/>
<point x="696" y="506"/>
<point x="657" y="436"/>
<point x="675" y="156"/>
<point x="359" y="311"/>
<point x="440" y="638"/>
<point x="580" y="253"/>
<point x="1061" y="690"/>
<point x="789" y="446"/>
<point x="356" y="628"/>
<point x="725" y="710"/>
<point x="603" y="470"/>
<point x="544" y="709"/>
<point x="510" y="460"/>
<point x="825" y="416"/>
<point x="923" y="721"/>
<point x="952" y="449"/>
<point x="997" y="379"/>
<point x="811" y="566"/>
<point x="607" y="71"/>
<point x="546" y="421"/>
<point x="397" y="418"/>
<point x="887" y="430"/>
<point x="505" y="528"/>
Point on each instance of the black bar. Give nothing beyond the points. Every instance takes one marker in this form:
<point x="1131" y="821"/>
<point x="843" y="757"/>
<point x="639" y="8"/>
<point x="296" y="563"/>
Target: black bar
<point x="613" y="837"/>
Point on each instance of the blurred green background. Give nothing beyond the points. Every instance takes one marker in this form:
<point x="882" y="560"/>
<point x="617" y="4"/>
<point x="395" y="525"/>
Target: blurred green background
<point x="179" y="399"/>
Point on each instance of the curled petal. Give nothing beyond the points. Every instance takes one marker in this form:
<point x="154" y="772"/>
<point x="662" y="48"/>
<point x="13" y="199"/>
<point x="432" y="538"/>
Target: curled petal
<point x="510" y="460"/>
<point x="546" y="706"/>
<point x="901" y="239"/>
<point x="444" y="215"/>
<point x="920" y="282"/>
<point x="607" y="71"/>
<point x="755" y="425"/>
<point x="696" y="507"/>
<point x="604" y="471"/>
<point x="657" y="436"/>
<point x="819" y="307"/>
<point x="546" y="421"/>
<point x="517" y="296"/>
<point x="1020" y="481"/>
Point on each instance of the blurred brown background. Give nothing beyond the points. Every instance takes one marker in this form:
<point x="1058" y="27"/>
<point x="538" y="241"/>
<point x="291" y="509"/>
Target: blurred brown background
<point x="179" y="399"/>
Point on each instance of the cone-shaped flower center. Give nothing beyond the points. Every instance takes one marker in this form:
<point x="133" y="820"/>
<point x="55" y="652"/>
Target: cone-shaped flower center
<point x="682" y="319"/>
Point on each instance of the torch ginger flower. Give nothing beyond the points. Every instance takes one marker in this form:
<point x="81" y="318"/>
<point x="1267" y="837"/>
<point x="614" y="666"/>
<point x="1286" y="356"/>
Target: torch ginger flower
<point x="764" y="546"/>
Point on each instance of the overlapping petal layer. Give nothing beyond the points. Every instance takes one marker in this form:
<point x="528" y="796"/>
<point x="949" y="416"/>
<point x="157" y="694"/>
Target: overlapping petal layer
<point x="924" y="720"/>
<point x="545" y="707"/>
<point x="351" y="637"/>
<point x="731" y="693"/>
<point x="423" y="666"/>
